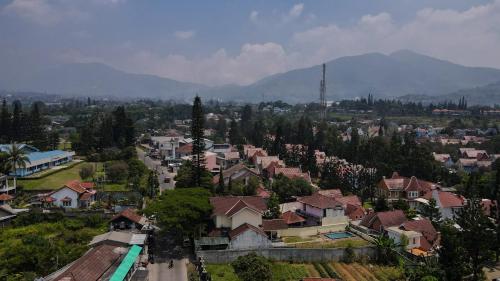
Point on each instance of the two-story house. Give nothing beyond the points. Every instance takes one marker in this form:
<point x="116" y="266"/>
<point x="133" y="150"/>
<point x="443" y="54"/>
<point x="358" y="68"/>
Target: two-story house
<point x="408" y="189"/>
<point x="324" y="209"/>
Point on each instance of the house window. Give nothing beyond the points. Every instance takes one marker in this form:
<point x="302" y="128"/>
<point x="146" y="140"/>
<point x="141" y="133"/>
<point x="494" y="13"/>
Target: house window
<point x="413" y="194"/>
<point x="414" y="241"/>
<point x="67" y="203"/>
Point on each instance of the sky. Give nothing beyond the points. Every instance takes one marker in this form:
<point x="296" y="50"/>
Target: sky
<point x="220" y="42"/>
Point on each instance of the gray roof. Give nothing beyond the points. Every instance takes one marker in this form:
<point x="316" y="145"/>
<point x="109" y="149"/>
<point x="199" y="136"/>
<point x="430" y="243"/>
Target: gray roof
<point x="127" y="238"/>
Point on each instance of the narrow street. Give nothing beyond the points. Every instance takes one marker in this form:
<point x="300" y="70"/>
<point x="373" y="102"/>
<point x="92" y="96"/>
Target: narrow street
<point x="156" y="166"/>
<point x="161" y="272"/>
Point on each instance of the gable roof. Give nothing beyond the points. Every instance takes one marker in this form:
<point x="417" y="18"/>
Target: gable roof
<point x="274" y="224"/>
<point x="223" y="204"/>
<point x="397" y="182"/>
<point x="292" y="173"/>
<point x="131" y="215"/>
<point x="290" y="217"/>
<point x="92" y="265"/>
<point x="320" y="201"/>
<point x="449" y="199"/>
<point x="243" y="228"/>
<point x="240" y="205"/>
<point x="6" y="197"/>
<point x="428" y="231"/>
<point x="386" y="219"/>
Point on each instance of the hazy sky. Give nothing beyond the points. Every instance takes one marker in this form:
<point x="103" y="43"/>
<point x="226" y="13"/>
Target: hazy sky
<point x="218" y="42"/>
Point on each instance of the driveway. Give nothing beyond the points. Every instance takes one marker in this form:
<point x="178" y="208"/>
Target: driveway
<point x="161" y="272"/>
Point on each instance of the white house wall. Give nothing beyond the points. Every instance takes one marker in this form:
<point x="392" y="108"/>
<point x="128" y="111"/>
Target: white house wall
<point x="250" y="240"/>
<point x="65" y="192"/>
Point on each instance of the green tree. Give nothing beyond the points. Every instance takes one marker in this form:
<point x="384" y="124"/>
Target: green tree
<point x="17" y="158"/>
<point x="116" y="171"/>
<point x="220" y="185"/>
<point x="5" y="123"/>
<point x="386" y="250"/>
<point x="431" y="211"/>
<point x="477" y="234"/>
<point x="452" y="254"/>
<point x="381" y="204"/>
<point x="17" y="127"/>
<point x="286" y="188"/>
<point x="185" y="177"/>
<point x="252" y="267"/>
<point x="183" y="212"/>
<point x="86" y="171"/>
<point x="235" y="137"/>
<point x="197" y="134"/>
<point x="273" y="207"/>
<point x="153" y="184"/>
<point x="37" y="134"/>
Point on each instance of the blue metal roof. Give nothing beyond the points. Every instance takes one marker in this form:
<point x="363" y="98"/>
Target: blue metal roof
<point x="35" y="156"/>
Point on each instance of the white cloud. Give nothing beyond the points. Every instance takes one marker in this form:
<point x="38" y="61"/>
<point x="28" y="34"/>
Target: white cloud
<point x="294" y="13"/>
<point x="184" y="35"/>
<point x="47" y="12"/>
<point x="253" y="62"/>
<point x="254" y="16"/>
<point x="470" y="37"/>
<point x="296" y="10"/>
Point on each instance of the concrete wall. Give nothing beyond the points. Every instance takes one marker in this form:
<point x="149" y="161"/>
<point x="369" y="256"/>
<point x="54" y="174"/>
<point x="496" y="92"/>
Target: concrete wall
<point x="222" y="221"/>
<point x="312" y="230"/>
<point x="284" y="254"/>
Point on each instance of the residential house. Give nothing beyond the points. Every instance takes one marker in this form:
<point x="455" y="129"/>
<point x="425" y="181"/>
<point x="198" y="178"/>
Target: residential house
<point x="5" y="199"/>
<point x="229" y="212"/>
<point x="128" y="219"/>
<point x="229" y="159"/>
<point x="292" y="219"/>
<point x="397" y="233"/>
<point x="119" y="238"/>
<point x="273" y="227"/>
<point x="39" y="160"/>
<point x="444" y="159"/>
<point x="408" y="189"/>
<point x="167" y="145"/>
<point x="323" y="209"/>
<point x="430" y="237"/>
<point x="221" y="148"/>
<point x="6" y="186"/>
<point x="380" y="221"/>
<point x="352" y="204"/>
<point x="238" y="172"/>
<point x="292" y="173"/>
<point x="248" y="236"/>
<point x="266" y="165"/>
<point x="472" y="153"/>
<point x="74" y="194"/>
<point x="448" y="203"/>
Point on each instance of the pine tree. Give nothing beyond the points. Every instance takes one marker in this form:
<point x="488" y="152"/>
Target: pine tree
<point x="198" y="141"/>
<point x="235" y="137"/>
<point x="477" y="233"/>
<point x="16" y="129"/>
<point x="220" y="186"/>
<point x="36" y="132"/>
<point x="5" y="123"/>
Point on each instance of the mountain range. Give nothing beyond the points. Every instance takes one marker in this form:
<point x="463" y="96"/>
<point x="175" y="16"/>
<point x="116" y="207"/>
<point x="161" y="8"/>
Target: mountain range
<point x="403" y="73"/>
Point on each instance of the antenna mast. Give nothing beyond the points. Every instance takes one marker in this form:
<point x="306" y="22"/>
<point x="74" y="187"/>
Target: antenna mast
<point x="322" y="93"/>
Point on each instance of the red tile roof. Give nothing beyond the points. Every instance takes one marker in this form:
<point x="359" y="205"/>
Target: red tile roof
<point x="86" y="196"/>
<point x="292" y="173"/>
<point x="274" y="224"/>
<point x="449" y="199"/>
<point x="92" y="265"/>
<point x="354" y="212"/>
<point x="129" y="214"/>
<point x="290" y="217"/>
<point x="185" y="149"/>
<point x="261" y="192"/>
<point x="320" y="201"/>
<point x="335" y="193"/>
<point x="241" y="205"/>
<point x="243" y="228"/>
<point x="6" y="197"/>
<point x="397" y="182"/>
<point x="387" y="219"/>
<point x="428" y="231"/>
<point x="76" y="186"/>
<point x="223" y="204"/>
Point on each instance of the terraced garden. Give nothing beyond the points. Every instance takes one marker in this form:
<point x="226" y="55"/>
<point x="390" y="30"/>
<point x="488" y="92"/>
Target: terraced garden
<point x="283" y="271"/>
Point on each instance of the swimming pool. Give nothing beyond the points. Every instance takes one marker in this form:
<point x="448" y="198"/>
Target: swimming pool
<point x="338" y="235"/>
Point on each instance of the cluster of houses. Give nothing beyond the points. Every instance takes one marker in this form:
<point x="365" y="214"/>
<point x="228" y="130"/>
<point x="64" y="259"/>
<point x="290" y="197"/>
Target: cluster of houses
<point x="117" y="255"/>
<point x="470" y="159"/>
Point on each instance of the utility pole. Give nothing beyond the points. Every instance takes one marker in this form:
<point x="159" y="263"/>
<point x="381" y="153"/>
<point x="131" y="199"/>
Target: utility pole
<point x="322" y="93"/>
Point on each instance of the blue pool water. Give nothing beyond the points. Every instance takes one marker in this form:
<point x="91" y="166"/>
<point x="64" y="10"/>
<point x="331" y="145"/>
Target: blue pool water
<point x="338" y="235"/>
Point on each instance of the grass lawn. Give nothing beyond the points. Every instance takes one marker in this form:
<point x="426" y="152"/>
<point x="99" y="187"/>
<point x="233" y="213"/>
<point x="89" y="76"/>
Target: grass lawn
<point x="295" y="239"/>
<point x="281" y="272"/>
<point x="342" y="243"/>
<point x="54" y="181"/>
<point x="59" y="178"/>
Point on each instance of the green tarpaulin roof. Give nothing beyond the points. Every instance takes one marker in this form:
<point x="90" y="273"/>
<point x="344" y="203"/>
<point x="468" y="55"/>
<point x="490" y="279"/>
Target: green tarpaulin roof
<point x="126" y="264"/>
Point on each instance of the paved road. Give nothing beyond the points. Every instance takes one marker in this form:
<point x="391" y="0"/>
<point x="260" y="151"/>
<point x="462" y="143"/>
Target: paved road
<point x="156" y="165"/>
<point x="161" y="272"/>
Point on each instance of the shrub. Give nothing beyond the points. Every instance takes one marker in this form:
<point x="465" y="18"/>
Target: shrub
<point x="117" y="171"/>
<point x="252" y="267"/>
<point x="87" y="171"/>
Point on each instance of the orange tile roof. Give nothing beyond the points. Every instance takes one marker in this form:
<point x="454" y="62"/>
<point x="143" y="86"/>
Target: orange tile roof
<point x="291" y="217"/>
<point x="243" y="228"/>
<point x="6" y="197"/>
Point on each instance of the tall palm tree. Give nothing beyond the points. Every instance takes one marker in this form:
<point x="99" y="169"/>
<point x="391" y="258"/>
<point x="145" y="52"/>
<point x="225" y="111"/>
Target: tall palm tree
<point x="17" y="158"/>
